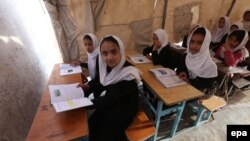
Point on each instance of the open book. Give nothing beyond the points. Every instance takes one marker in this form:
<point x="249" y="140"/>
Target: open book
<point x="139" y="59"/>
<point x="167" y="77"/>
<point x="67" y="69"/>
<point x="67" y="97"/>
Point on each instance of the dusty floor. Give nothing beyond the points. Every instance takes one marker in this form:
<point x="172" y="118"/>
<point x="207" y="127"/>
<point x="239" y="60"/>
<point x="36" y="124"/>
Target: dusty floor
<point x="237" y="111"/>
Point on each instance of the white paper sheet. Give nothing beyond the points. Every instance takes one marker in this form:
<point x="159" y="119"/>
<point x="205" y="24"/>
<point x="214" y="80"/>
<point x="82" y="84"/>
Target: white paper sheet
<point x="67" y="69"/>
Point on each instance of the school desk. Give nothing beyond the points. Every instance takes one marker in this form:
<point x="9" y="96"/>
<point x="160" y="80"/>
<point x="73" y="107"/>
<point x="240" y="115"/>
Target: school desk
<point x="51" y="126"/>
<point x="226" y="72"/>
<point x="174" y="97"/>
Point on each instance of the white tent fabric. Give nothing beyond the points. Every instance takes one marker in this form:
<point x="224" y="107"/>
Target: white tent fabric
<point x="68" y="30"/>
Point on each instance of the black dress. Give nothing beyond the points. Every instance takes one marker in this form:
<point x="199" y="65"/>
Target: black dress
<point x="167" y="57"/>
<point x="114" y="112"/>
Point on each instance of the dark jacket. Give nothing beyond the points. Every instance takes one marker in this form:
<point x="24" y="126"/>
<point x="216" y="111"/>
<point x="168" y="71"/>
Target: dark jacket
<point x="95" y="81"/>
<point x="167" y="57"/>
<point x="114" y="111"/>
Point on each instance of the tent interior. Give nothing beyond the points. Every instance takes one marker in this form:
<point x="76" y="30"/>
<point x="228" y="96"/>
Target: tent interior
<point x="36" y="34"/>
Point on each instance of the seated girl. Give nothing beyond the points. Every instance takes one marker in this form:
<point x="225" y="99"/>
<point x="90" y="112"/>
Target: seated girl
<point x="246" y="20"/>
<point x="233" y="51"/>
<point x="114" y="111"/>
<point x="221" y="29"/>
<point x="91" y="43"/>
<point x="197" y="67"/>
<point x="160" y="52"/>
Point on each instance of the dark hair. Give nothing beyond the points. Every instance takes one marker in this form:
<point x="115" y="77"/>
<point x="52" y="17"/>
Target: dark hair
<point x="87" y="37"/>
<point x="109" y="39"/>
<point x="246" y="13"/>
<point x="239" y="34"/>
<point x="200" y="30"/>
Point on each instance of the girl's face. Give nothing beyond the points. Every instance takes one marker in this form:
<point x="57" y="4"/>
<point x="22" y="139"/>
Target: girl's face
<point x="89" y="45"/>
<point x="196" y="43"/>
<point x="233" y="42"/>
<point x="234" y="27"/>
<point x="221" y="23"/>
<point x="110" y="53"/>
<point x="247" y="16"/>
<point x="156" y="40"/>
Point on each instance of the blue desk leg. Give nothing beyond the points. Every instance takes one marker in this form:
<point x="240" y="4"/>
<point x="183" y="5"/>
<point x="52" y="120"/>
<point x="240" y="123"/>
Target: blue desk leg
<point x="199" y="116"/>
<point x="200" y="119"/>
<point x="157" y="118"/>
<point x="177" y="119"/>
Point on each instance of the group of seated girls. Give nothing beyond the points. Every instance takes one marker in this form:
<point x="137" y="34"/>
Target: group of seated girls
<point x="114" y="77"/>
<point x="196" y="66"/>
<point x="223" y="29"/>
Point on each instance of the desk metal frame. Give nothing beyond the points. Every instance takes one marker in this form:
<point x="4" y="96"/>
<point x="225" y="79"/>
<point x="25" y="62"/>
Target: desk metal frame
<point x="175" y="97"/>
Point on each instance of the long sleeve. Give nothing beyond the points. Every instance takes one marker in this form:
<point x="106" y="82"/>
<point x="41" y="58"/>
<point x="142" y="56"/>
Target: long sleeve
<point x="155" y="57"/>
<point x="167" y="57"/>
<point x="182" y="65"/>
<point x="147" y="50"/>
<point x="84" y="65"/>
<point x="217" y="54"/>
<point x="232" y="59"/>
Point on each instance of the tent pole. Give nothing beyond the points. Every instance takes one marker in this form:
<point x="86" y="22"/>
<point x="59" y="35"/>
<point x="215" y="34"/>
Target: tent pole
<point x="164" y="14"/>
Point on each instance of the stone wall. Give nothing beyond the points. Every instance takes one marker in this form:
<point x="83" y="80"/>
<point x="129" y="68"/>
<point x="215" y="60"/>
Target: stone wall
<point x="28" y="51"/>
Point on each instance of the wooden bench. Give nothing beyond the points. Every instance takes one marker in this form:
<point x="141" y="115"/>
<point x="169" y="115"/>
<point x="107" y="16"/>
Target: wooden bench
<point x="210" y="105"/>
<point x="141" y="129"/>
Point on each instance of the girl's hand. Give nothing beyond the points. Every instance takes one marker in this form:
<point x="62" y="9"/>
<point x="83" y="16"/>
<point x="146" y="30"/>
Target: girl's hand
<point x="75" y="63"/>
<point x="149" y="56"/>
<point x="183" y="76"/>
<point x="156" y="47"/>
<point x="85" y="87"/>
<point x="227" y="46"/>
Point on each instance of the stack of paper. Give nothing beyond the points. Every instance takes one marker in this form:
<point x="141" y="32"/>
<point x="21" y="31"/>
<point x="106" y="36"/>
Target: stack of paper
<point x="67" y="97"/>
<point x="67" y="69"/>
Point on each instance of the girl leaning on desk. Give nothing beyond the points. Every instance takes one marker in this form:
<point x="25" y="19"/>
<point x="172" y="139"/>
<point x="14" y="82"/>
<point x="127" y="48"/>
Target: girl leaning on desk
<point x="197" y="66"/>
<point x="160" y="52"/>
<point x="114" y="111"/>
<point x="233" y="50"/>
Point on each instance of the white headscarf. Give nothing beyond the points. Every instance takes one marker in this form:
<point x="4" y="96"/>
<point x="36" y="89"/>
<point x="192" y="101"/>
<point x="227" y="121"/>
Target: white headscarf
<point x="201" y="63"/>
<point x="163" y="38"/>
<point x="92" y="56"/>
<point x="239" y="24"/>
<point x="241" y="46"/>
<point x="118" y="73"/>
<point x="246" y="24"/>
<point x="220" y="32"/>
